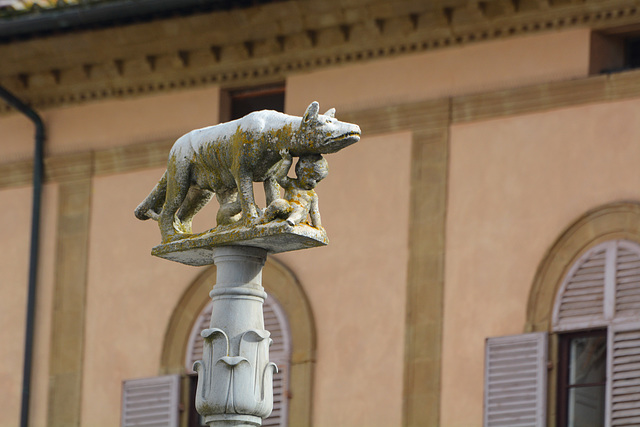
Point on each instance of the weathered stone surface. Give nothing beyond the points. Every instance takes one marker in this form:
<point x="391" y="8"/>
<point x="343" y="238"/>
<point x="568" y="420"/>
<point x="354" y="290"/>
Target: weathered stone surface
<point x="227" y="158"/>
<point x="235" y="376"/>
<point x="274" y="237"/>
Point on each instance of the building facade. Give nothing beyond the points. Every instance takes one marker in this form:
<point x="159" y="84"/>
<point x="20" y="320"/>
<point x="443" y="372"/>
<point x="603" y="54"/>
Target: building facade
<point x="484" y="232"/>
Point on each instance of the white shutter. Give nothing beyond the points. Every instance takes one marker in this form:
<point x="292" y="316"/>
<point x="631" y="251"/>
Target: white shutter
<point x="278" y="417"/>
<point x="623" y="403"/>
<point x="516" y="381"/>
<point x="275" y="321"/>
<point x="196" y="342"/>
<point x="151" y="401"/>
<point x="582" y="294"/>
<point x="627" y="293"/>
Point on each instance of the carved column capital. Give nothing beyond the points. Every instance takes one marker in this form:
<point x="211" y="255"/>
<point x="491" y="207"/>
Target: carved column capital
<point x="235" y="377"/>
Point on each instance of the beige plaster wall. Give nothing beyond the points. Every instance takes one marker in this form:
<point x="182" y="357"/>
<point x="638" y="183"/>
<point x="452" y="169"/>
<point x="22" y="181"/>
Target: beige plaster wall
<point x="449" y="72"/>
<point x="15" y="222"/>
<point x="356" y="285"/>
<point x="130" y="295"/>
<point x="113" y="122"/>
<point x="515" y="184"/>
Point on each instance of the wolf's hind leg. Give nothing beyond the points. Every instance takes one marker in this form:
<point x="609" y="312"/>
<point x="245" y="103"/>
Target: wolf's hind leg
<point x="151" y="206"/>
<point x="196" y="199"/>
<point x="178" y="183"/>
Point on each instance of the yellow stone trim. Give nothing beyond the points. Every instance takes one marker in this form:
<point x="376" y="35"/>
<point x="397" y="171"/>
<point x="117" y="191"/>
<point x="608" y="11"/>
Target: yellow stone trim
<point x="425" y="281"/>
<point x="132" y="157"/>
<point x="16" y="174"/>
<point x="429" y="115"/>
<point x="545" y="96"/>
<point x="69" y="304"/>
<point x="282" y="284"/>
<point x="429" y="123"/>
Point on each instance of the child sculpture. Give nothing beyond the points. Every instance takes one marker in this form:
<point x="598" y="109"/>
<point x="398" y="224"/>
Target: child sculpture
<point x="300" y="199"/>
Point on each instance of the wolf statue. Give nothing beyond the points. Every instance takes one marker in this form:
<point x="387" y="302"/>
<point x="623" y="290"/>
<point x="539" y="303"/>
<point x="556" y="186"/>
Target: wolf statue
<point x="227" y="158"/>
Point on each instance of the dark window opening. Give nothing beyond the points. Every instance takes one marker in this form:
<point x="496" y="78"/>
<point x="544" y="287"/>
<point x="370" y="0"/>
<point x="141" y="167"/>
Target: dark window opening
<point x="194" y="419"/>
<point x="582" y="378"/>
<point x="239" y="103"/>
<point x="632" y="52"/>
<point x="613" y="53"/>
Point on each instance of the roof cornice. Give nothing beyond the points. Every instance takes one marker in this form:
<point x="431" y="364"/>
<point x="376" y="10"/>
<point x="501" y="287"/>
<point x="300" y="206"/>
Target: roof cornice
<point x="268" y="42"/>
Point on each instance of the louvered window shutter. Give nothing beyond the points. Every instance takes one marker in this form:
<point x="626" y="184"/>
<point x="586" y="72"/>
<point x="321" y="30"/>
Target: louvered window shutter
<point x="603" y="286"/>
<point x="275" y="321"/>
<point x="516" y="381"/>
<point x="627" y="292"/>
<point x="151" y="402"/>
<point x="581" y="301"/>
<point x="623" y="403"/>
<point x="196" y="342"/>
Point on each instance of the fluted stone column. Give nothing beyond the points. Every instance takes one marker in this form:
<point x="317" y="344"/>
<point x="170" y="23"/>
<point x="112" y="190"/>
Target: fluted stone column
<point x="235" y="376"/>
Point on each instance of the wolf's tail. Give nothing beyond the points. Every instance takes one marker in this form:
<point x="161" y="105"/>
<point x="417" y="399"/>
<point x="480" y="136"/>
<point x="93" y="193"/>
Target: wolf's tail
<point x="151" y="207"/>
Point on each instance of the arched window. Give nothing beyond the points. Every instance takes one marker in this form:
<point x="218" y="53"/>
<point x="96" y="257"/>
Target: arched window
<point x="275" y="321"/>
<point x="601" y="289"/>
<point x="597" y="318"/>
<point x="579" y="362"/>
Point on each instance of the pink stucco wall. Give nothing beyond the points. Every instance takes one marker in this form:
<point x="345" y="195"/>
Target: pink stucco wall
<point x="467" y="69"/>
<point x="356" y="285"/>
<point x="515" y="184"/>
<point x="111" y="123"/>
<point x="130" y="295"/>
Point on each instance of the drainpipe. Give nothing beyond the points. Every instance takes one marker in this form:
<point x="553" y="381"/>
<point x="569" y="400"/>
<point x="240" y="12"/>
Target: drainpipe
<point x="35" y="238"/>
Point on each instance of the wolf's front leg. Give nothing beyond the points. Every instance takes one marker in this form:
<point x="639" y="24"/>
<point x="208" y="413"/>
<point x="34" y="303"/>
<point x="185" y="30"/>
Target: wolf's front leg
<point x="229" y="207"/>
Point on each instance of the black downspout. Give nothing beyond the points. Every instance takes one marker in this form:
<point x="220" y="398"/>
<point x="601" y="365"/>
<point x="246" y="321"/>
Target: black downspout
<point x="35" y="240"/>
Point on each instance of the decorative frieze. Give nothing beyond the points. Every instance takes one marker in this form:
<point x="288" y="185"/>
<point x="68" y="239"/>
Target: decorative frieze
<point x="266" y="43"/>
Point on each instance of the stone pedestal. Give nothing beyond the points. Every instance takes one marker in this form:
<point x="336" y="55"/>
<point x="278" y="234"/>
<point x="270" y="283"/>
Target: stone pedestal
<point x="235" y="376"/>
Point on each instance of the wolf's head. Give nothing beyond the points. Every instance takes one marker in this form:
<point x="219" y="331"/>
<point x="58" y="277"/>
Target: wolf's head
<point x="322" y="133"/>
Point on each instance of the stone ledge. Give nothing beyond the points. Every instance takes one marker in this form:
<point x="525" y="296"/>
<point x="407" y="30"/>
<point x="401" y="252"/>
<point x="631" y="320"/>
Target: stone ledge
<point x="247" y="48"/>
<point x="274" y="237"/>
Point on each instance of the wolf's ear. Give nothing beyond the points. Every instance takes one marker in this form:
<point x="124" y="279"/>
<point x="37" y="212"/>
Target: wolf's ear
<point x="331" y="113"/>
<point x="312" y="112"/>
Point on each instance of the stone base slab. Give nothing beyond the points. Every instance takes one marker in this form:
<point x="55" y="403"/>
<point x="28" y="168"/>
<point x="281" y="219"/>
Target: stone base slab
<point x="274" y="237"/>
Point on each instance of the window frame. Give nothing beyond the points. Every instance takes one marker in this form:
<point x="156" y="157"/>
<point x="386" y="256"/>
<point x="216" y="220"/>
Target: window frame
<point x="612" y="221"/>
<point x="563" y="386"/>
<point x="610" y="320"/>
<point x="258" y="97"/>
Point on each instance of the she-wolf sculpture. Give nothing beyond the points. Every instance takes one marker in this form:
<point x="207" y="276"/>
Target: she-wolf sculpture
<point x="227" y="158"/>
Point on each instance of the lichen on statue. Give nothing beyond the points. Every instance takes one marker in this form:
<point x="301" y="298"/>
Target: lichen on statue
<point x="226" y="159"/>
